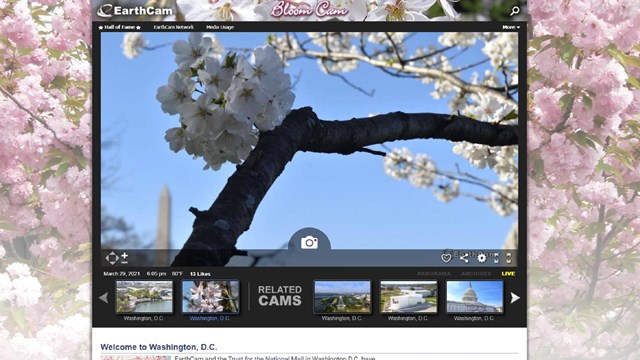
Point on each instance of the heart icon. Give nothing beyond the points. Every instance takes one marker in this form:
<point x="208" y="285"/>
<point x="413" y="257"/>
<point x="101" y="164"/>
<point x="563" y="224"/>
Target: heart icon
<point x="446" y="257"/>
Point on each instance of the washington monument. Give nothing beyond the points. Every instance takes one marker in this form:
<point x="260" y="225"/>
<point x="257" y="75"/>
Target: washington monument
<point x="163" y="238"/>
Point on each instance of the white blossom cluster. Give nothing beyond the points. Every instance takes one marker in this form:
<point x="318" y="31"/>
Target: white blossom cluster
<point x="442" y="88"/>
<point x="18" y="286"/>
<point x="217" y="10"/>
<point x="387" y="46"/>
<point x="502" y="49"/>
<point x="342" y="42"/>
<point x="410" y="10"/>
<point x="504" y="198"/>
<point x="132" y="44"/>
<point x="459" y="39"/>
<point x="398" y="162"/>
<point x="286" y="46"/>
<point x="421" y="172"/>
<point x="486" y="106"/>
<point x="503" y="160"/>
<point x="235" y="99"/>
<point x="379" y="45"/>
<point x="448" y="191"/>
<point x="205" y="297"/>
<point x="479" y="156"/>
<point x="489" y="109"/>
<point x="424" y="171"/>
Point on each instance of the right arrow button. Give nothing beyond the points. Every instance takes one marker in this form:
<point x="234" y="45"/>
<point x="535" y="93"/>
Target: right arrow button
<point x="514" y="298"/>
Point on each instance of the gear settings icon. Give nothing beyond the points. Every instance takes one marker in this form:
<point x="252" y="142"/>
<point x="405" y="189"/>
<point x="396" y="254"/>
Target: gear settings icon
<point x="482" y="258"/>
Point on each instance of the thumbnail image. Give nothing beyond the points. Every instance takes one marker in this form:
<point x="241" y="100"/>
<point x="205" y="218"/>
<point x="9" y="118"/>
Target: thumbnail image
<point x="409" y="296"/>
<point x="144" y="296"/>
<point x="483" y="296"/>
<point x="211" y="296"/>
<point x="342" y="297"/>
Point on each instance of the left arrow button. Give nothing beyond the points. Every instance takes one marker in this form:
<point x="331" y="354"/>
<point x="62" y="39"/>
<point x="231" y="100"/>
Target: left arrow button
<point x="103" y="297"/>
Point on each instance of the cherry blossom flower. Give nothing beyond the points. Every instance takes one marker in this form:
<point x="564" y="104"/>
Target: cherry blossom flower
<point x="401" y="10"/>
<point x="196" y="115"/>
<point x="217" y="10"/>
<point x="177" y="92"/>
<point x="490" y="109"/>
<point x="447" y="192"/>
<point x="18" y="269"/>
<point x="397" y="163"/>
<point x="176" y="138"/>
<point x="26" y="291"/>
<point x="132" y="44"/>
<point x="423" y="172"/>
<point x="214" y="76"/>
<point x="358" y="9"/>
<point x="191" y="54"/>
<point x="5" y="287"/>
<point x="448" y="9"/>
<point x="206" y="297"/>
<point x="267" y="65"/>
<point x="246" y="98"/>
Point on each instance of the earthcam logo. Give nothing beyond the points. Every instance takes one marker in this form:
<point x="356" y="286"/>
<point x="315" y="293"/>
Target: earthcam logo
<point x="109" y="10"/>
<point x="105" y="11"/>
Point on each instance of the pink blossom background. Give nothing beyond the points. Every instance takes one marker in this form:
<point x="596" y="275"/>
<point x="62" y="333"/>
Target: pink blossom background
<point x="45" y="179"/>
<point x="583" y="179"/>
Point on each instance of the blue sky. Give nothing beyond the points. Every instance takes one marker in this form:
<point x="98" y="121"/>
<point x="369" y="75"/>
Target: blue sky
<point x="489" y="292"/>
<point x="341" y="287"/>
<point x="350" y="198"/>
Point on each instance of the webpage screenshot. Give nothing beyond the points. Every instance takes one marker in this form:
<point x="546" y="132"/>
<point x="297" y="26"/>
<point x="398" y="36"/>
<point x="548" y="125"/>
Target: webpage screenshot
<point x="317" y="190"/>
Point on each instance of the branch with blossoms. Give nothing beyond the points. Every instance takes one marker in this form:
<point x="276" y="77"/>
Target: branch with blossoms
<point x="216" y="230"/>
<point x="232" y="109"/>
<point x="489" y="97"/>
<point x="342" y="52"/>
<point x="421" y="171"/>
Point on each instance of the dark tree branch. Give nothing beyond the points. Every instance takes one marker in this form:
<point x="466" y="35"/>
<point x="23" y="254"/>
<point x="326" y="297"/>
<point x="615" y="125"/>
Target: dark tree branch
<point x="372" y="152"/>
<point x="347" y="137"/>
<point x="216" y="230"/>
<point x="156" y="46"/>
